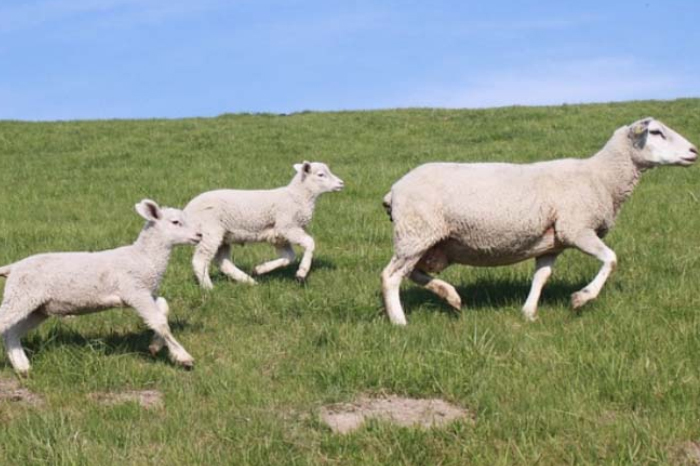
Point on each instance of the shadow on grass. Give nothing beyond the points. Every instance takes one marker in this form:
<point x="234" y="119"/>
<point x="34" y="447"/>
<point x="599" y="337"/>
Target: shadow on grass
<point x="486" y="294"/>
<point x="111" y="343"/>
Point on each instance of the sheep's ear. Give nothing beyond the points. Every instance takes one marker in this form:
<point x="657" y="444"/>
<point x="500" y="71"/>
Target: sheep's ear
<point x="149" y="210"/>
<point x="304" y="168"/>
<point x="639" y="131"/>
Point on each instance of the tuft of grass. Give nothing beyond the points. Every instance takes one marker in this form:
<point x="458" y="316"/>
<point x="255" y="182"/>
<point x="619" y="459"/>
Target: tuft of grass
<point x="617" y="384"/>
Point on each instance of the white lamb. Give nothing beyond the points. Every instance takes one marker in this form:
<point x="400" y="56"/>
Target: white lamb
<point x="491" y="214"/>
<point x="277" y="216"/>
<point x="74" y="283"/>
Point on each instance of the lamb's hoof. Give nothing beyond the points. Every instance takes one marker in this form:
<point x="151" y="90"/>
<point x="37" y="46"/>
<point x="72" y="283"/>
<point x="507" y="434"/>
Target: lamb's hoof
<point x="580" y="298"/>
<point x="530" y="316"/>
<point x="187" y="365"/>
<point x="23" y="374"/>
<point x="301" y="279"/>
<point x="154" y="349"/>
<point x="455" y="302"/>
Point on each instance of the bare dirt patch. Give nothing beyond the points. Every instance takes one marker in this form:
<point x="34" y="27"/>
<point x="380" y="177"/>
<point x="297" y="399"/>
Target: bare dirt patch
<point x="687" y="453"/>
<point x="148" y="399"/>
<point x="407" y="412"/>
<point x="11" y="390"/>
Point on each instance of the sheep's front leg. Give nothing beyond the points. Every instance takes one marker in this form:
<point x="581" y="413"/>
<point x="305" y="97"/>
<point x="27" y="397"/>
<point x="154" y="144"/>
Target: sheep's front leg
<point x="301" y="238"/>
<point x="543" y="270"/>
<point x="286" y="256"/>
<point x="155" y="314"/>
<point x="589" y="243"/>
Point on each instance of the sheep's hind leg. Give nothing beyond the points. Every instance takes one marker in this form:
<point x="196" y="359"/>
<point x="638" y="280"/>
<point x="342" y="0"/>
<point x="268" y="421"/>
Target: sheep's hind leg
<point x="286" y="256"/>
<point x="594" y="246"/>
<point x="392" y="275"/>
<point x="152" y="313"/>
<point x="543" y="270"/>
<point x="437" y="286"/>
<point x="16" y="321"/>
<point x="226" y="265"/>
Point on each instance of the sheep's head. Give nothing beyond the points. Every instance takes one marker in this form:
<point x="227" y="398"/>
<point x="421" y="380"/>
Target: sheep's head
<point x="657" y="144"/>
<point x="170" y="223"/>
<point x="318" y="177"/>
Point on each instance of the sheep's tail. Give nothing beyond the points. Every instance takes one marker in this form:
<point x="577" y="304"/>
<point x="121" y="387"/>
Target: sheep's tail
<point x="387" y="205"/>
<point x="5" y="271"/>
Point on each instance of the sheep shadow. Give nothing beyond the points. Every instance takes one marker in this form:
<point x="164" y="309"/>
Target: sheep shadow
<point x="112" y="343"/>
<point x="486" y="294"/>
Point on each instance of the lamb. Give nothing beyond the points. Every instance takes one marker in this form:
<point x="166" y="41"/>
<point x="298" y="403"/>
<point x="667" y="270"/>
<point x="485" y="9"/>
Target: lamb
<point x="277" y="216"/>
<point x="75" y="283"/>
<point x="492" y="214"/>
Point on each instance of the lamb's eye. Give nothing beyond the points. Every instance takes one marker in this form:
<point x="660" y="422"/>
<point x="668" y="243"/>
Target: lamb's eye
<point x="321" y="175"/>
<point x="657" y="132"/>
<point x="176" y="222"/>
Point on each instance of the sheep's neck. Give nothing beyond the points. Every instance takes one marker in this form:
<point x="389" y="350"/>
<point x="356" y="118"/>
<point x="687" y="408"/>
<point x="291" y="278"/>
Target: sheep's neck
<point x="153" y="250"/>
<point x="618" y="173"/>
<point x="302" y="195"/>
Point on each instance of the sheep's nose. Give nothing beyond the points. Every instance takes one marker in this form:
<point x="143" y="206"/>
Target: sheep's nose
<point x="694" y="150"/>
<point x="198" y="236"/>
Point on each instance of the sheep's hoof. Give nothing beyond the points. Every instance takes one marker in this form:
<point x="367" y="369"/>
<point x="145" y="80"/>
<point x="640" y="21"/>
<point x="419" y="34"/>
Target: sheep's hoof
<point x="530" y="316"/>
<point x="187" y="365"/>
<point x="22" y="374"/>
<point x="301" y="279"/>
<point x="154" y="349"/>
<point x="580" y="298"/>
<point x="455" y="303"/>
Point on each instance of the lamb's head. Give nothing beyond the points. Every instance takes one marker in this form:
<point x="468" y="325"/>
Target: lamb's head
<point x="318" y="178"/>
<point x="656" y="144"/>
<point x="170" y="224"/>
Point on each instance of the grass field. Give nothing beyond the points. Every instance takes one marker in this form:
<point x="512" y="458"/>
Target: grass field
<point x="617" y="384"/>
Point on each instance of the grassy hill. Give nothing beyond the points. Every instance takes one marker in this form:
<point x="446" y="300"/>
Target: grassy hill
<point x="618" y="384"/>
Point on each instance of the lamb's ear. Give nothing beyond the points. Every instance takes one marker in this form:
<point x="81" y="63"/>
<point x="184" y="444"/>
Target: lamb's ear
<point x="639" y="131"/>
<point x="304" y="168"/>
<point x="149" y="210"/>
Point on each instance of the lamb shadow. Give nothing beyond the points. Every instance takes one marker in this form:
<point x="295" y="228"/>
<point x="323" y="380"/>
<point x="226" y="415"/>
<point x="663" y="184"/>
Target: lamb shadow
<point x="490" y="293"/>
<point x="111" y="343"/>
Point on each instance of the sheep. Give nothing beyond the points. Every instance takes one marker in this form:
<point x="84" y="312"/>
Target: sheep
<point x="492" y="214"/>
<point x="75" y="283"/>
<point x="277" y="216"/>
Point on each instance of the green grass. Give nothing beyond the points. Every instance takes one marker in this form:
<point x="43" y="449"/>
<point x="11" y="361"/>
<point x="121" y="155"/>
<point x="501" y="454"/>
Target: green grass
<point x="618" y="384"/>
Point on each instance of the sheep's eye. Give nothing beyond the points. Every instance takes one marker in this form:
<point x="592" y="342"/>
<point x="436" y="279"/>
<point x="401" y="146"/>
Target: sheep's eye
<point x="176" y="222"/>
<point x="657" y="132"/>
<point x="321" y="175"/>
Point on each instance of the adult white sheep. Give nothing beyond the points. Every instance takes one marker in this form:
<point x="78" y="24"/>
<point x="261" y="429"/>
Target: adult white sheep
<point x="277" y="216"/>
<point x="491" y="214"/>
<point x="74" y="283"/>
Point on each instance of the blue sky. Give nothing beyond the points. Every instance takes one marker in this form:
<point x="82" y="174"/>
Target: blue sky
<point x="84" y="59"/>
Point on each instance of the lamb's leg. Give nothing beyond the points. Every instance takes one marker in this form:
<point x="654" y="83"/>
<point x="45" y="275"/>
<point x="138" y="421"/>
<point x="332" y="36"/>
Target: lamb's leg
<point x="152" y="313"/>
<point x="594" y="246"/>
<point x="392" y="275"/>
<point x="286" y="256"/>
<point x="223" y="260"/>
<point x="17" y="319"/>
<point x="437" y="286"/>
<point x="158" y="342"/>
<point x="543" y="270"/>
<point x="203" y="255"/>
<point x="301" y="238"/>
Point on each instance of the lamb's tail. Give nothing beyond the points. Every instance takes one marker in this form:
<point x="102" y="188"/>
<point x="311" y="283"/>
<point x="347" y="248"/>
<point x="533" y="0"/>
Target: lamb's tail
<point x="387" y="205"/>
<point x="5" y="271"/>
